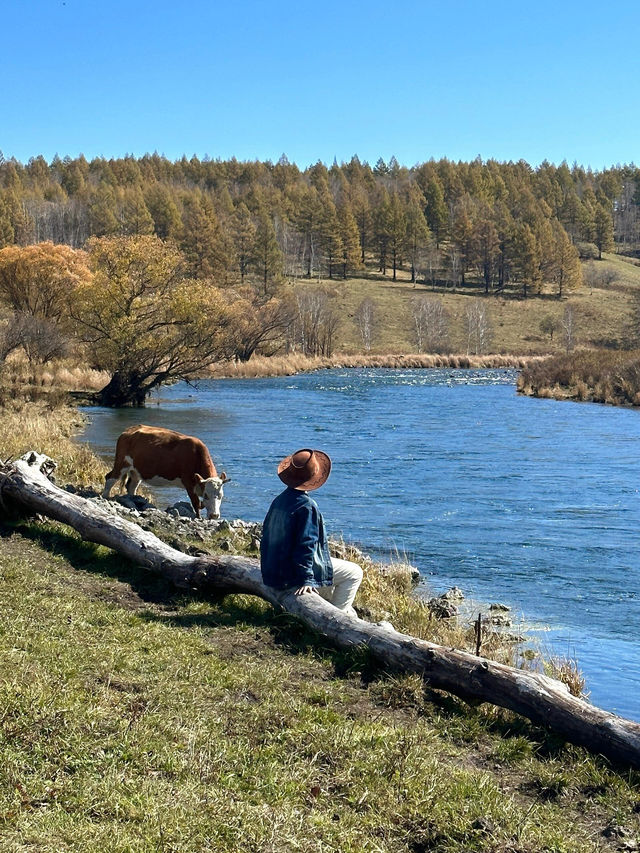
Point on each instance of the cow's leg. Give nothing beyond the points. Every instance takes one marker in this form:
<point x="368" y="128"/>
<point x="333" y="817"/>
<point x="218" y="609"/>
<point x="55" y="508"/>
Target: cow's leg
<point x="110" y="480"/>
<point x="195" y="501"/>
<point x="133" y="481"/>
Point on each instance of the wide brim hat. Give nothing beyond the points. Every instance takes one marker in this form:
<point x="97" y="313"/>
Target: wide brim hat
<point x="305" y="469"/>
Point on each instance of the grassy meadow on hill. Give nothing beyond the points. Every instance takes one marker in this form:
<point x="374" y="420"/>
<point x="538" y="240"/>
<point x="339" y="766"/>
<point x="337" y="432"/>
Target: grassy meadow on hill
<point x="602" y="308"/>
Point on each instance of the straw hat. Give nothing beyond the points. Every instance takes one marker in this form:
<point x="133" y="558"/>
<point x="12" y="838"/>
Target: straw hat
<point x="305" y="469"/>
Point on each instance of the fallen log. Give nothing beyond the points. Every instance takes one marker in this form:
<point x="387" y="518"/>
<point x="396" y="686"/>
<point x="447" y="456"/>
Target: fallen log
<point x="24" y="483"/>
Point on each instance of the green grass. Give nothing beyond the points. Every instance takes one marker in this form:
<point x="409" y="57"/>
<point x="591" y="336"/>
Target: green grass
<point x="134" y="720"/>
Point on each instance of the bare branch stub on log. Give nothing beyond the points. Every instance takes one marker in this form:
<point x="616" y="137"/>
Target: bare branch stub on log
<point x="541" y="699"/>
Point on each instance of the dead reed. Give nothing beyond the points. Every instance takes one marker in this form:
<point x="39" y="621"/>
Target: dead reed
<point x="289" y="365"/>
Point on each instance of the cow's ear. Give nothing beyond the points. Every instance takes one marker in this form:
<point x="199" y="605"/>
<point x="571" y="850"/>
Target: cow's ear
<point x="224" y="477"/>
<point x="199" y="478"/>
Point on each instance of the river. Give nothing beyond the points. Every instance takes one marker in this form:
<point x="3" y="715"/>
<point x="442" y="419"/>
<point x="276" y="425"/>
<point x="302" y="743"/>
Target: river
<point x="532" y="503"/>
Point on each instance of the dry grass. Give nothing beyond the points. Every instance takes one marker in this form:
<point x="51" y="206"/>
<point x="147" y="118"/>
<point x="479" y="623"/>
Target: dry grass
<point x="601" y="312"/>
<point x="49" y="429"/>
<point x="601" y="376"/>
<point x="68" y="374"/>
<point x="296" y="363"/>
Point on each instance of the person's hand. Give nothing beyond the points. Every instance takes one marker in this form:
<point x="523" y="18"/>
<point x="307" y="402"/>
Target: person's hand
<point x="304" y="589"/>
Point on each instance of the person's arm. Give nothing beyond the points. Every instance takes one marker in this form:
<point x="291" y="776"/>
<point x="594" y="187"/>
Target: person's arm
<point x="306" y="534"/>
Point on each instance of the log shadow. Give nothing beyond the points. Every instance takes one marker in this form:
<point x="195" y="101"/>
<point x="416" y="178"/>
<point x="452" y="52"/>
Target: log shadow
<point x="147" y="587"/>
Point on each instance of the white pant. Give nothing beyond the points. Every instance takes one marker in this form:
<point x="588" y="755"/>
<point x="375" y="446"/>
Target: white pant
<point x="347" y="577"/>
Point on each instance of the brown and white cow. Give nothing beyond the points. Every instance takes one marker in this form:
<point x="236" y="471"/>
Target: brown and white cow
<point x="161" y="457"/>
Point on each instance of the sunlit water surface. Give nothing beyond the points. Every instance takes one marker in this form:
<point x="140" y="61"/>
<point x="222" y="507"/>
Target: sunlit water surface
<point x="533" y="503"/>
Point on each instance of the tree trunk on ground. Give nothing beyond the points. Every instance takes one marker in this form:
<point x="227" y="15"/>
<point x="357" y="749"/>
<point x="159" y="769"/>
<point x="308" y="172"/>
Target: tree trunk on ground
<point x="542" y="700"/>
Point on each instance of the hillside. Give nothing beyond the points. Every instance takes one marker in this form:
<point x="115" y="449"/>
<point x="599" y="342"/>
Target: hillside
<point x="602" y="311"/>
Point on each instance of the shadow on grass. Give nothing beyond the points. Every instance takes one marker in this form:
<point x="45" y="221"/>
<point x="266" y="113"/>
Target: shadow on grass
<point x="157" y="600"/>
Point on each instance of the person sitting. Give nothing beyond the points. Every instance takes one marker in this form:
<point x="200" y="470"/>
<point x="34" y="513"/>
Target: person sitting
<point x="294" y="552"/>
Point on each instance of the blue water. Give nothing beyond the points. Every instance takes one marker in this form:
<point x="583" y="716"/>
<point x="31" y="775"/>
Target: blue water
<point x="533" y="503"/>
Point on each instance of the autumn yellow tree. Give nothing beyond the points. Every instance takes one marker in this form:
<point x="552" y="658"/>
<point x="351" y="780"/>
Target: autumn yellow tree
<point x="143" y="321"/>
<point x="37" y="280"/>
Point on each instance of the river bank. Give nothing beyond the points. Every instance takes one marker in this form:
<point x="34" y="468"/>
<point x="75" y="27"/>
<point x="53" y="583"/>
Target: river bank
<point x="135" y="719"/>
<point x="210" y="723"/>
<point x="289" y="365"/>
<point x="597" y="376"/>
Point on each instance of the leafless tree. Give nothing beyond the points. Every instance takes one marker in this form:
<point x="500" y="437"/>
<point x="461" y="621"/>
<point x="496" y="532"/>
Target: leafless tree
<point x="569" y="327"/>
<point x="9" y="339"/>
<point x="596" y="275"/>
<point x="313" y="329"/>
<point x="626" y="215"/>
<point x="40" y="338"/>
<point x="61" y="222"/>
<point x="430" y="321"/>
<point x="366" y="318"/>
<point x="291" y="245"/>
<point x="455" y="266"/>
<point x="432" y="264"/>
<point x="478" y="327"/>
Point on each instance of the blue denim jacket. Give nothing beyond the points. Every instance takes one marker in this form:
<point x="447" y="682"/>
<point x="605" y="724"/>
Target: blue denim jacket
<point x="294" y="551"/>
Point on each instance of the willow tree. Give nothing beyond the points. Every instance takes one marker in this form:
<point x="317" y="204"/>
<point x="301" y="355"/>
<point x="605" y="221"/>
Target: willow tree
<point x="143" y="321"/>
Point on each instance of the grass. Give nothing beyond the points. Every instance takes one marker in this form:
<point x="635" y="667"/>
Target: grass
<point x="601" y="312"/>
<point x="600" y="376"/>
<point x="22" y="380"/>
<point x="296" y="363"/>
<point x="133" y="720"/>
<point x="49" y="427"/>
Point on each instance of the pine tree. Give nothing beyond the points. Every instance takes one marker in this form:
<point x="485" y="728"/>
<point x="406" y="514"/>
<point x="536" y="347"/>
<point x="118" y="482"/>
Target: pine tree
<point x="135" y="217"/>
<point x="103" y="220"/>
<point x="436" y="212"/>
<point x="349" y="237"/>
<point x="21" y="221"/>
<point x="267" y="256"/>
<point x="382" y="230"/>
<point x="462" y="236"/>
<point x="6" y="226"/>
<point x="417" y="230"/>
<point x="243" y="232"/>
<point x="397" y="221"/>
<point x="362" y="213"/>
<point x="567" y="271"/>
<point x="486" y="243"/>
<point x="526" y="258"/>
<point x="163" y="210"/>
<point x="603" y="222"/>
<point x="330" y="237"/>
<point x="308" y="224"/>
<point x="202" y="240"/>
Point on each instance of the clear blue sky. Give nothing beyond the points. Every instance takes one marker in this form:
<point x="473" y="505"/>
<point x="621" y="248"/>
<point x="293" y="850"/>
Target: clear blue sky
<point x="438" y="78"/>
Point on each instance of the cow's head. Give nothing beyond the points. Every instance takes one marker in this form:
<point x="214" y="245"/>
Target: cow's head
<point x="210" y="492"/>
